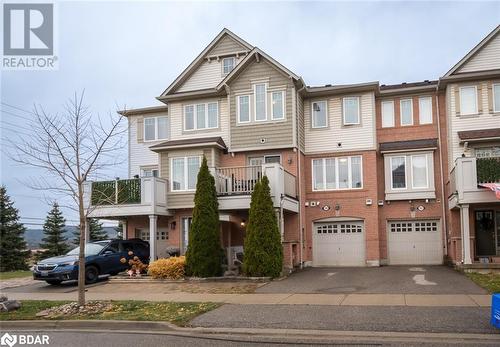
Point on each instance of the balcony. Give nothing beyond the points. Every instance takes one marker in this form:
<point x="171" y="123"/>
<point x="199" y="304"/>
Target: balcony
<point x="235" y="186"/>
<point x="467" y="174"/>
<point x="128" y="197"/>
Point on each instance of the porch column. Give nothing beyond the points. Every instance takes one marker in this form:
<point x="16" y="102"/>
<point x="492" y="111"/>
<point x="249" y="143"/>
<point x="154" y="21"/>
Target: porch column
<point x="464" y="223"/>
<point x="87" y="230"/>
<point x="124" y="229"/>
<point x="153" y="219"/>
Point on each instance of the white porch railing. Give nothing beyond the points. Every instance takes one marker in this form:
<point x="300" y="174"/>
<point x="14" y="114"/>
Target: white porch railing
<point x="237" y="180"/>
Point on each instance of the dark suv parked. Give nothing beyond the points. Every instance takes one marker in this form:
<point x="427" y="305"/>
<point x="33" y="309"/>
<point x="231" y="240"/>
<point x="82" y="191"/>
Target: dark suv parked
<point x="101" y="258"/>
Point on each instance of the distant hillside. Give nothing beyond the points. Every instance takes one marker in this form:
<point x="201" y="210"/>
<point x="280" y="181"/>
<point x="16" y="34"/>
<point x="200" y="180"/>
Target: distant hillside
<point x="33" y="237"/>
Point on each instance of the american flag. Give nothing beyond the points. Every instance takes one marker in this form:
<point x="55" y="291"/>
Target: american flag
<point x="494" y="187"/>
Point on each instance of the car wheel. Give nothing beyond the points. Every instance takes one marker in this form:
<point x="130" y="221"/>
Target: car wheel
<point x="91" y="274"/>
<point x="53" y="282"/>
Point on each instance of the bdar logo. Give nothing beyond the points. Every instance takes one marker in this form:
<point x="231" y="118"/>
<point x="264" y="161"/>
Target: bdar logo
<point x="28" y="29"/>
<point x="8" y="340"/>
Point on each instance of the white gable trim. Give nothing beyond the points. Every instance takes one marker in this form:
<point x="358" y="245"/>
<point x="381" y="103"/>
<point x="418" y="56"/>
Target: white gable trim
<point x="473" y="52"/>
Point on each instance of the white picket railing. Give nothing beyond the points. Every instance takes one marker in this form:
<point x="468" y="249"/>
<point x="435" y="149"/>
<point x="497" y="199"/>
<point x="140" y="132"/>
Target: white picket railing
<point x="237" y="180"/>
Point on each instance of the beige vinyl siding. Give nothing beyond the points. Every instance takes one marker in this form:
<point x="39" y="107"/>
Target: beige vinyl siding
<point x="177" y="121"/>
<point x="352" y="137"/>
<point x="275" y="133"/>
<point x="486" y="59"/>
<point x="300" y="122"/>
<point x="227" y="45"/>
<point x="484" y="120"/>
<point x="139" y="152"/>
<point x="180" y="199"/>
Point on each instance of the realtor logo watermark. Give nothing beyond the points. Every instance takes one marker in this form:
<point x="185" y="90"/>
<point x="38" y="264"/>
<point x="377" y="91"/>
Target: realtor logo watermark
<point x="12" y="340"/>
<point x="28" y="37"/>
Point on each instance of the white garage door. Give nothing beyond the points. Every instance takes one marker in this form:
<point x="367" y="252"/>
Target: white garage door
<point x="339" y="244"/>
<point x="415" y="242"/>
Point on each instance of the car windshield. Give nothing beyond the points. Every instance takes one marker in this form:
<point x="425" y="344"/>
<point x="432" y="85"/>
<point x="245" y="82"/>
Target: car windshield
<point x="90" y="249"/>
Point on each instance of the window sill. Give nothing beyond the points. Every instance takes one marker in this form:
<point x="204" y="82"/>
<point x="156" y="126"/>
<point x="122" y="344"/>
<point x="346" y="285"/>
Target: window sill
<point x="410" y="195"/>
<point x="261" y="122"/>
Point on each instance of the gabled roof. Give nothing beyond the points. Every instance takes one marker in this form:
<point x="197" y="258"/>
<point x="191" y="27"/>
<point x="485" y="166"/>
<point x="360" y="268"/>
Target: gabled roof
<point x="473" y="52"/>
<point x="199" y="59"/>
<point x="256" y="52"/>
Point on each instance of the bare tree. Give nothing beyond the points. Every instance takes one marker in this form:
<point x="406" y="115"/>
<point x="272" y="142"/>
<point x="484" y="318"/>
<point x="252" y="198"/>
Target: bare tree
<point x="71" y="148"/>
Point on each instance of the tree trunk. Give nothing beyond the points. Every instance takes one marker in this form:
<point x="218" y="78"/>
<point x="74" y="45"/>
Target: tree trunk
<point x="81" y="255"/>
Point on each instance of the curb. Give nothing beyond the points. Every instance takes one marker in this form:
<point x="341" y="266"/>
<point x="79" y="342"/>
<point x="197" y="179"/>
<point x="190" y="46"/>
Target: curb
<point x="147" y="279"/>
<point x="141" y="327"/>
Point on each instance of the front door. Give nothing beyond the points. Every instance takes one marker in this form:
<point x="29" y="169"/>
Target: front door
<point x="485" y="233"/>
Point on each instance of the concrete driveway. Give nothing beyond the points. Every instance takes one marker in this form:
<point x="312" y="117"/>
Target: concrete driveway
<point x="376" y="280"/>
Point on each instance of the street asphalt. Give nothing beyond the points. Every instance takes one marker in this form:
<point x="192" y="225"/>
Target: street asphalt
<point x="124" y="339"/>
<point x="375" y="280"/>
<point x="352" y="318"/>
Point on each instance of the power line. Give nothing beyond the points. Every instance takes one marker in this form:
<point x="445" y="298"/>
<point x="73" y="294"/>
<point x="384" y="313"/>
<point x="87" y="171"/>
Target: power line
<point x="17" y="108"/>
<point x="17" y="115"/>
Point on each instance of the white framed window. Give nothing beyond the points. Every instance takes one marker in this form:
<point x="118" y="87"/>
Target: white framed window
<point x="398" y="172"/>
<point x="350" y="110"/>
<point x="243" y="108"/>
<point x="184" y="172"/>
<point x="227" y="65"/>
<point x="260" y="101"/>
<point x="267" y="159"/>
<point x="406" y="111"/>
<point x="155" y="128"/>
<point x="337" y="173"/>
<point x="387" y="114"/>
<point x="278" y="105"/>
<point x="419" y="174"/>
<point x="319" y="114"/>
<point x="496" y="97"/>
<point x="201" y="116"/>
<point x="425" y="110"/>
<point x="149" y="171"/>
<point x="468" y="100"/>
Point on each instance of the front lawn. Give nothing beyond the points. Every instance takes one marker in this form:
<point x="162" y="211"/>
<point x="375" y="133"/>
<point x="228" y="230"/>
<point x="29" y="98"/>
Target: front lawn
<point x="490" y="282"/>
<point x="14" y="274"/>
<point x="177" y="313"/>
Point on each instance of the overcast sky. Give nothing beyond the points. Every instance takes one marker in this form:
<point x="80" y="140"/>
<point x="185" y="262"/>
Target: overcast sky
<point x="127" y="53"/>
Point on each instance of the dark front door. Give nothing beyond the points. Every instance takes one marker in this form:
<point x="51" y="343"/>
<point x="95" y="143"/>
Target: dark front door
<point x="485" y="233"/>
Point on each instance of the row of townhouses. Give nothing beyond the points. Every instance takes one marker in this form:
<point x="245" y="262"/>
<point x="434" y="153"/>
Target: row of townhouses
<point x="360" y="174"/>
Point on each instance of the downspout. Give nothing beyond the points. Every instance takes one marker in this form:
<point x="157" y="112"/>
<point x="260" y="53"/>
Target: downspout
<point x="443" y="204"/>
<point x="301" y="206"/>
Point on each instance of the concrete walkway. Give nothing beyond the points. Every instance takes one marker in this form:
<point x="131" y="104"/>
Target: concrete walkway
<point x="423" y="300"/>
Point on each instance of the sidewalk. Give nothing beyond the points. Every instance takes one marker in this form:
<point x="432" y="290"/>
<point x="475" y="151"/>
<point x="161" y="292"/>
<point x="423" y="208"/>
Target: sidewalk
<point x="420" y="300"/>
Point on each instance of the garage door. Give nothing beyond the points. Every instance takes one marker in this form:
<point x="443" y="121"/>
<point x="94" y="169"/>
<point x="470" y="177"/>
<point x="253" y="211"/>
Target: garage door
<point x="339" y="244"/>
<point x="415" y="242"/>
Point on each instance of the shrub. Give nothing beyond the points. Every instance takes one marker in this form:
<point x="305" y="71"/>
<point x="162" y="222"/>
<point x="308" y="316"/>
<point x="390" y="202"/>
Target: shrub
<point x="170" y="268"/>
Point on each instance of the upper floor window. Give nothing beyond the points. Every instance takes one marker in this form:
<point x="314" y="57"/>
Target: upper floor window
<point x="337" y="173"/>
<point x="496" y="97"/>
<point x="278" y="102"/>
<point x="267" y="159"/>
<point x="387" y="114"/>
<point x="319" y="114"/>
<point x="468" y="100"/>
<point x="409" y="168"/>
<point x="201" y="116"/>
<point x="243" y="108"/>
<point x="184" y="172"/>
<point x="406" y="111"/>
<point x="350" y="110"/>
<point x="260" y="92"/>
<point x="227" y="65"/>
<point x="425" y="110"/>
<point x="155" y="128"/>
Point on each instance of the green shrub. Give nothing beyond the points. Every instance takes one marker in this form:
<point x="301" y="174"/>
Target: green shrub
<point x="263" y="250"/>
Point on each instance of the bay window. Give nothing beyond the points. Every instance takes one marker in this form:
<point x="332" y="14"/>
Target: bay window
<point x="155" y="128"/>
<point x="410" y="171"/>
<point x="398" y="172"/>
<point x="419" y="171"/>
<point x="337" y="173"/>
<point x="184" y="172"/>
<point x="201" y="116"/>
